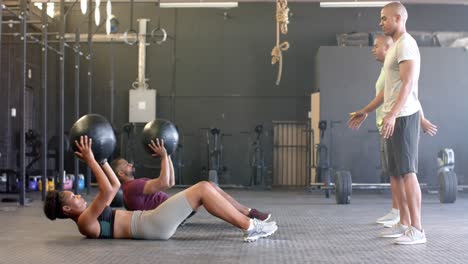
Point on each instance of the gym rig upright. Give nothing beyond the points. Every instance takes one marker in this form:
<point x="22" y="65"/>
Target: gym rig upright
<point x="22" y="17"/>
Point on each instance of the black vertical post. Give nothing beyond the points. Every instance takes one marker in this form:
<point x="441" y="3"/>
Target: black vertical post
<point x="1" y="19"/>
<point x="174" y="70"/>
<point x="1" y="48"/>
<point x="111" y="82"/>
<point x="90" y="82"/>
<point x="44" y="100"/>
<point x="61" y="95"/>
<point x="22" y="106"/>
<point x="8" y="96"/>
<point x="77" y="98"/>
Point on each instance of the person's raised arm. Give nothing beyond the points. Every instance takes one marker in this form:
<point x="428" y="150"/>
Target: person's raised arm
<point x="171" y="168"/>
<point x="162" y="182"/>
<point x="113" y="180"/>
<point x="105" y="192"/>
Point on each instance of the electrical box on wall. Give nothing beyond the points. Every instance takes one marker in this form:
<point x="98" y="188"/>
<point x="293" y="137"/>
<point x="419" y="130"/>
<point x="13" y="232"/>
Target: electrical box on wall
<point x="142" y="105"/>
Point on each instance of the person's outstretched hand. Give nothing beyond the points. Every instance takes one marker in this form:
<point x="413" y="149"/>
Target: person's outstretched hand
<point x="84" y="148"/>
<point x="428" y="127"/>
<point x="158" y="148"/>
<point x="356" y="119"/>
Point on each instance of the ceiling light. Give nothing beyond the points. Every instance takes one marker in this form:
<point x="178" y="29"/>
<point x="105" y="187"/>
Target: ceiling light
<point x="50" y="8"/>
<point x="108" y="26"/>
<point x="84" y="6"/>
<point x="108" y="8"/>
<point x="355" y="4"/>
<point x="199" y="5"/>
<point x="97" y="16"/>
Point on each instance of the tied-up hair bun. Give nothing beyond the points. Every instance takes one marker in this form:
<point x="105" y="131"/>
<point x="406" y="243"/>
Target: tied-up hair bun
<point x="53" y="206"/>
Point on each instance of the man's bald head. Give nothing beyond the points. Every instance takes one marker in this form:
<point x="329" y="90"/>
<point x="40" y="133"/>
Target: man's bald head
<point x="381" y="44"/>
<point x="397" y="9"/>
<point x="393" y="18"/>
<point x="383" y="39"/>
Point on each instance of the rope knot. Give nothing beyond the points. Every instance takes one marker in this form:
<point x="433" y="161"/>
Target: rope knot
<point x="282" y="16"/>
<point x="282" y="21"/>
<point x="276" y="53"/>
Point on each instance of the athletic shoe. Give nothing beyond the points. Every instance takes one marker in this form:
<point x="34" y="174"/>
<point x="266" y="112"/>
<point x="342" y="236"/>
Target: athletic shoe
<point x="392" y="216"/>
<point x="412" y="236"/>
<point x="391" y="223"/>
<point x="260" y="229"/>
<point x="397" y="230"/>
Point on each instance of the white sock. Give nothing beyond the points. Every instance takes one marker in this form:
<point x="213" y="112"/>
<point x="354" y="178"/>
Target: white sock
<point x="395" y="211"/>
<point x="404" y="226"/>
<point x="251" y="225"/>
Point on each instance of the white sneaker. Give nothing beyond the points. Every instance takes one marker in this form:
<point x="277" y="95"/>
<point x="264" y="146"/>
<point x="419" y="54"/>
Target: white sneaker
<point x="412" y="236"/>
<point x="260" y="229"/>
<point x="392" y="216"/>
<point x="396" y="230"/>
<point x="391" y="223"/>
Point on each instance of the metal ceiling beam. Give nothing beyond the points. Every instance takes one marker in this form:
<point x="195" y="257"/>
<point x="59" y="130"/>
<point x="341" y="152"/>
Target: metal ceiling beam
<point x="448" y="2"/>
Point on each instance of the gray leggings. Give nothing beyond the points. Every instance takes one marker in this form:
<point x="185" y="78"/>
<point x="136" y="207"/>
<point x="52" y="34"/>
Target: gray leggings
<point x="162" y="222"/>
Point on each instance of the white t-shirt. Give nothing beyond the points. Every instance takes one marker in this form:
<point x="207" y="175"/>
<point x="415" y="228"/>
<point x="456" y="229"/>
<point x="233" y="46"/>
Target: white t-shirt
<point x="379" y="86"/>
<point x="405" y="48"/>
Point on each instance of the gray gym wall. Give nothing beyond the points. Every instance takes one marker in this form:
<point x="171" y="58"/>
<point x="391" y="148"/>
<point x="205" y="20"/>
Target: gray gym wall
<point x="223" y="76"/>
<point x="442" y="92"/>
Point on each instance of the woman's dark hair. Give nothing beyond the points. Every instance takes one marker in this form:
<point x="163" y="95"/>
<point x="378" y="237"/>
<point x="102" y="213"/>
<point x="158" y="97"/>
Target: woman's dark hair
<point x="53" y="205"/>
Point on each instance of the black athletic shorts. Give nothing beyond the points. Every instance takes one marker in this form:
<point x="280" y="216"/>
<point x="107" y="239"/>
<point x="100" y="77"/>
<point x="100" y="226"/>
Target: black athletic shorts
<point x="402" y="147"/>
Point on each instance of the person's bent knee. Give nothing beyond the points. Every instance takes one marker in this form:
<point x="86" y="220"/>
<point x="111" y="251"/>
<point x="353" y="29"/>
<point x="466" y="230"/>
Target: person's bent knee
<point x="205" y="185"/>
<point x="214" y="185"/>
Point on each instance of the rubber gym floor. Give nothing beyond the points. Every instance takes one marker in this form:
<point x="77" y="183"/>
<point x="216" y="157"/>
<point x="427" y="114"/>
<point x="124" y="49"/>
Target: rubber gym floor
<point x="312" y="229"/>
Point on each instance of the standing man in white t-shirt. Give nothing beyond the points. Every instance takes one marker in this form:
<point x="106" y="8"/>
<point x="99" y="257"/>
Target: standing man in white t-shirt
<point x="381" y="45"/>
<point x="401" y="122"/>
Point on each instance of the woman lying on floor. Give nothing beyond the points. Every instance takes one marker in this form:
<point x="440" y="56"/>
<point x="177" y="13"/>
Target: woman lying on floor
<point x="100" y="221"/>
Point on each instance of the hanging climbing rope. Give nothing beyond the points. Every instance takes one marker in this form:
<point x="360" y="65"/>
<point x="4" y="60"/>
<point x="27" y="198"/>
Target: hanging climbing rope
<point x="282" y="21"/>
